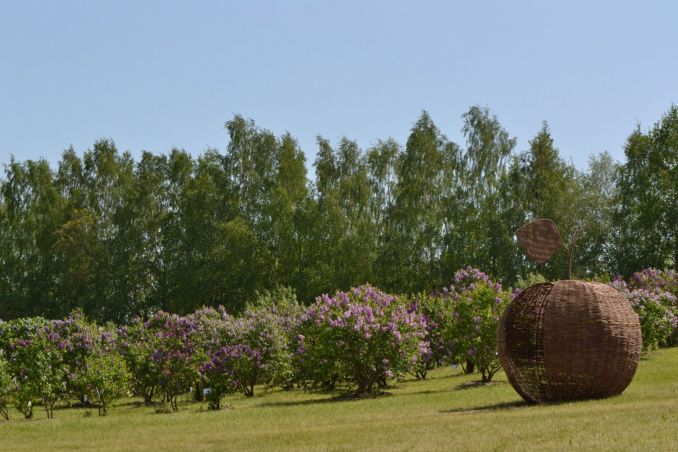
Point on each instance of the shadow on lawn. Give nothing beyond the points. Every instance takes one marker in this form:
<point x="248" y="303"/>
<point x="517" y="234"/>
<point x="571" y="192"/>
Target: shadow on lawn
<point x="426" y="391"/>
<point x="492" y="407"/>
<point x="347" y="397"/>
<point x="477" y="384"/>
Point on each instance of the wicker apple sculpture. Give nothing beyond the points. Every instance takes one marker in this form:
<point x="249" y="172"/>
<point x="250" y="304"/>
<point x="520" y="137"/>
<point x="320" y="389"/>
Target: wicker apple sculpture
<point x="567" y="340"/>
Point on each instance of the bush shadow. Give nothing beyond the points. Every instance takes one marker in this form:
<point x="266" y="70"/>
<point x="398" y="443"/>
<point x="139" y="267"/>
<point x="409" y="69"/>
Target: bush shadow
<point x="427" y="391"/>
<point x="477" y="384"/>
<point x="492" y="407"/>
<point x="339" y="398"/>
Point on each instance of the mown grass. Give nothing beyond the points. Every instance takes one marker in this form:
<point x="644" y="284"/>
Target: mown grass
<point x="446" y="412"/>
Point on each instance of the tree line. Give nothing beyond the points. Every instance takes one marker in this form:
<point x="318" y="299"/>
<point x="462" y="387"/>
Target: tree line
<point x="119" y="237"/>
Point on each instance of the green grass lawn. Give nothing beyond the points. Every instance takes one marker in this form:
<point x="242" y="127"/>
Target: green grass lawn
<point x="445" y="412"/>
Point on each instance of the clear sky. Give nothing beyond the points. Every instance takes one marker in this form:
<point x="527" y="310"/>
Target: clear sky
<point x="157" y="74"/>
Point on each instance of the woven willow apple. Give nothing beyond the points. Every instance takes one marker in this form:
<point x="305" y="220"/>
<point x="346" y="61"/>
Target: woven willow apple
<point x="567" y="340"/>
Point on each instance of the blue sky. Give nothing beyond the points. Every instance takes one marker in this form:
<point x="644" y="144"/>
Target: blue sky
<point x="157" y="74"/>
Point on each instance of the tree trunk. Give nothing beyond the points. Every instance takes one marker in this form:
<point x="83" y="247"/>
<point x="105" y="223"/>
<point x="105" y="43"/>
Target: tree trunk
<point x="148" y="395"/>
<point x="197" y="393"/>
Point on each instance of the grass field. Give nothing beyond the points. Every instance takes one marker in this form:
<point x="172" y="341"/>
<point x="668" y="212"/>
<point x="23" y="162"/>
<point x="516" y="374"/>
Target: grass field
<point x="446" y="412"/>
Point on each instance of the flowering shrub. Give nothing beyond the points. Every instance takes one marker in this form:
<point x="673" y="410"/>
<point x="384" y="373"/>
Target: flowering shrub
<point x="363" y="337"/>
<point x="161" y="356"/>
<point x="463" y="320"/>
<point x="656" y="281"/>
<point x="75" y="337"/>
<point x="274" y="316"/>
<point x="655" y="309"/>
<point x="464" y="281"/>
<point x="438" y="311"/>
<point x="55" y="360"/>
<point x="467" y="279"/>
<point x="136" y="344"/>
<point x="478" y="311"/>
<point x="230" y="369"/>
<point x="104" y="378"/>
<point x="39" y="370"/>
<point x="6" y="385"/>
<point x="102" y="373"/>
<point x="175" y="359"/>
<point x="23" y="328"/>
<point x="211" y="329"/>
<point x="665" y="285"/>
<point x="211" y="332"/>
<point x="263" y="331"/>
<point x="9" y="332"/>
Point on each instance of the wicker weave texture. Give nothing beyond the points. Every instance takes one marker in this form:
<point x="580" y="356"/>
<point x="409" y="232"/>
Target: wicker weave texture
<point x="569" y="340"/>
<point x="539" y="240"/>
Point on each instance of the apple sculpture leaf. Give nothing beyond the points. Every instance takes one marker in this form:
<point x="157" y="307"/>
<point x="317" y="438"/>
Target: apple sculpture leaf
<point x="539" y="240"/>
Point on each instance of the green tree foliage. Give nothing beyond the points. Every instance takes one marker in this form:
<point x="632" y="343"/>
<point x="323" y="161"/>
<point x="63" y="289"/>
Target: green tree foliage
<point x="647" y="203"/>
<point x="415" y="219"/>
<point x="487" y="233"/>
<point x="120" y="237"/>
<point x="32" y="211"/>
<point x="343" y="231"/>
<point x="549" y="190"/>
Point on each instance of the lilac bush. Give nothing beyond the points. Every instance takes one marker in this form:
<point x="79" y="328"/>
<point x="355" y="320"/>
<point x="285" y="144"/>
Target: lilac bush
<point x="438" y="311"/>
<point x="35" y="363"/>
<point x="39" y="370"/>
<point x="161" y="356"/>
<point x="76" y="338"/>
<point x="465" y="319"/>
<point x="464" y="280"/>
<point x="211" y="332"/>
<point x="103" y="376"/>
<point x="212" y="329"/>
<point x="264" y="329"/>
<point x="56" y="360"/>
<point x="23" y="328"/>
<point x="6" y="386"/>
<point x="656" y="281"/>
<point x="183" y="347"/>
<point x="664" y="284"/>
<point x="168" y="354"/>
<point x="228" y="370"/>
<point x="363" y="337"/>
<point x="136" y="344"/>
<point x="175" y="359"/>
<point x="654" y="306"/>
<point x="282" y="298"/>
<point x="478" y="311"/>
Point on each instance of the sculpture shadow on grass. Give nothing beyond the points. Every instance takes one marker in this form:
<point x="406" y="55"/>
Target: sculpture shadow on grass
<point x="519" y="404"/>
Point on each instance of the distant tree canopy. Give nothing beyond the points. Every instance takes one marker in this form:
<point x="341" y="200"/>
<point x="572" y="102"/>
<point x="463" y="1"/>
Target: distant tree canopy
<point x="120" y="237"/>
